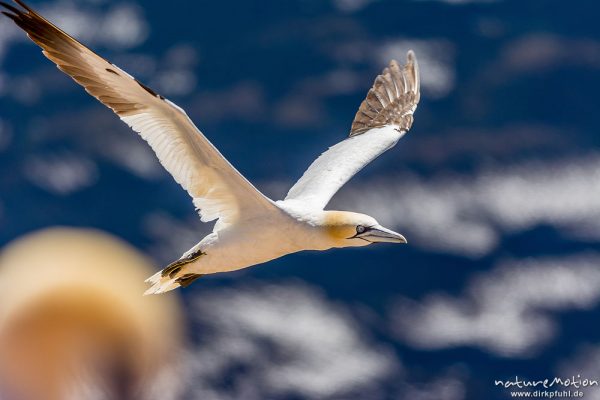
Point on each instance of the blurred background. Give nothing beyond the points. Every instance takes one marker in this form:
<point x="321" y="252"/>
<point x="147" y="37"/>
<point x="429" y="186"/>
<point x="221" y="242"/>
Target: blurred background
<point x="496" y="187"/>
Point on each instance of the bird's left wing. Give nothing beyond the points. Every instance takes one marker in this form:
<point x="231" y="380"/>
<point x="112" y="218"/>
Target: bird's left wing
<point x="382" y="119"/>
<point x="218" y="189"/>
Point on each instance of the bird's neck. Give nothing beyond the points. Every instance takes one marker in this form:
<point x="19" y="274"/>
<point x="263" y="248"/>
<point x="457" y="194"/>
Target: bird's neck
<point x="309" y="230"/>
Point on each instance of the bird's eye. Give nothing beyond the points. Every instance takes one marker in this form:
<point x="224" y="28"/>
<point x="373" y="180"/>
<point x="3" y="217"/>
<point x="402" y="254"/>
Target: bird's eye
<point x="360" y="229"/>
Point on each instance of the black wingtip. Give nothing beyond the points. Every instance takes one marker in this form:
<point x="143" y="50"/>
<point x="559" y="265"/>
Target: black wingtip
<point x="9" y="15"/>
<point x="13" y="13"/>
<point x="10" y="7"/>
<point x="22" y="4"/>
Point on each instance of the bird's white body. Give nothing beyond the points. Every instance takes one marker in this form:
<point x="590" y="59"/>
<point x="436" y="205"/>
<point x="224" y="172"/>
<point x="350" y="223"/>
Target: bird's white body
<point x="252" y="242"/>
<point x="291" y="229"/>
<point x="250" y="228"/>
<point x="248" y="243"/>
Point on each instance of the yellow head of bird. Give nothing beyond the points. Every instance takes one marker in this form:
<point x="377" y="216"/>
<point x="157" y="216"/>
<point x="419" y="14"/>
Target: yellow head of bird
<point x="349" y="229"/>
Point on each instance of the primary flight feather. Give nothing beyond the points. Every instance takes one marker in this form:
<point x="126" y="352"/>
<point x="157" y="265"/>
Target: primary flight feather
<point x="250" y="228"/>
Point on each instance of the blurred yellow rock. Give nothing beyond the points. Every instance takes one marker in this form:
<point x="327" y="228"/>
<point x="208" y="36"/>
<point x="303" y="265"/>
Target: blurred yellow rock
<point x="74" y="323"/>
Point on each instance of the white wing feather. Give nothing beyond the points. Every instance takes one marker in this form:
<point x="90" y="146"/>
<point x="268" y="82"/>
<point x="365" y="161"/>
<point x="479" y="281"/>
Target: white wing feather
<point x="341" y="162"/>
<point x="217" y="188"/>
<point x="382" y="119"/>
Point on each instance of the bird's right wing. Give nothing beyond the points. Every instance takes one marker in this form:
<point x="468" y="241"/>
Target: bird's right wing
<point x="218" y="189"/>
<point x="382" y="119"/>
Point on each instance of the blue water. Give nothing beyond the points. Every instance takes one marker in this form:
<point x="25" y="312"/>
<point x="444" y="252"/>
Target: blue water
<point x="518" y="86"/>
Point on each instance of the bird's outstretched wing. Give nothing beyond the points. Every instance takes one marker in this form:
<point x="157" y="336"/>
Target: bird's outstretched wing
<point x="218" y="189"/>
<point x="382" y="119"/>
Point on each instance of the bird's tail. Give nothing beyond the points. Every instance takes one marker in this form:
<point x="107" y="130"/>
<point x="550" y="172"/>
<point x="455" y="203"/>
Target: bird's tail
<point x="174" y="275"/>
<point x="161" y="284"/>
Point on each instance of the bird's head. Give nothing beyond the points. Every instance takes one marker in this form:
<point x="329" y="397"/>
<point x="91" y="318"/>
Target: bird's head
<point x="349" y="229"/>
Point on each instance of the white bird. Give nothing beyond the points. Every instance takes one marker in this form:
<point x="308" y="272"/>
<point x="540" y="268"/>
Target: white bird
<point x="250" y="228"/>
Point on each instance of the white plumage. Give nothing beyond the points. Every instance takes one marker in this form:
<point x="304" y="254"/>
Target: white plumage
<point x="250" y="228"/>
<point x="328" y="173"/>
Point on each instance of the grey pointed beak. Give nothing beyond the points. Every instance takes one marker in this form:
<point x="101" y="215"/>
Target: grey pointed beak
<point x="378" y="233"/>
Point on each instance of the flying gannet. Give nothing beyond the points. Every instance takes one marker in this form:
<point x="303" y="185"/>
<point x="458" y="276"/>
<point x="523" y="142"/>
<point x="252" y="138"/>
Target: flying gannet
<point x="250" y="228"/>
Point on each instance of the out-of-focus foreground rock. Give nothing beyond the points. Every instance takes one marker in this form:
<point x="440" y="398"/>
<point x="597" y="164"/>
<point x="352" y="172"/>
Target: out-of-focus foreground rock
<point x="74" y="323"/>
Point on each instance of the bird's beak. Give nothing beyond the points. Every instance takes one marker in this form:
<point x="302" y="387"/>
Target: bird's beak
<point x="378" y="233"/>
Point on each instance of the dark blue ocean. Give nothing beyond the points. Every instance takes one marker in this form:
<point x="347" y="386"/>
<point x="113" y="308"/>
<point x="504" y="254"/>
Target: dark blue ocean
<point x="496" y="186"/>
